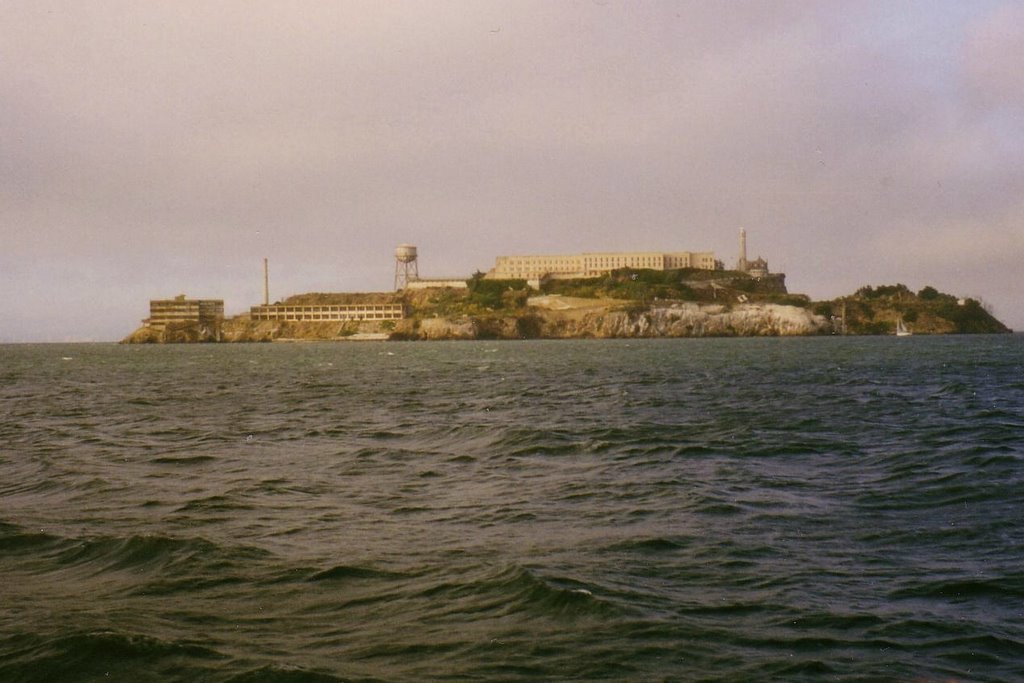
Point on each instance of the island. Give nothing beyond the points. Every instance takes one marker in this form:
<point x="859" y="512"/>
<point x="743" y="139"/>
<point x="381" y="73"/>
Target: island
<point x="624" y="302"/>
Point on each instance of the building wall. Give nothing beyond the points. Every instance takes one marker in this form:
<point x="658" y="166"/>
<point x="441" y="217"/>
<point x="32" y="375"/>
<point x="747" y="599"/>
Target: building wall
<point x="592" y="265"/>
<point x="328" y="312"/>
<point x="181" y="310"/>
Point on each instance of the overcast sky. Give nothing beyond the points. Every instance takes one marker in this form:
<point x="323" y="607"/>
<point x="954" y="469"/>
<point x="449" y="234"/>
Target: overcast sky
<point x="155" y="148"/>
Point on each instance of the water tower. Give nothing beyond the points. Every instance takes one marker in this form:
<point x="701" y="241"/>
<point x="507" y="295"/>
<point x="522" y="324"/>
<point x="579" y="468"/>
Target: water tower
<point x="406" y="268"/>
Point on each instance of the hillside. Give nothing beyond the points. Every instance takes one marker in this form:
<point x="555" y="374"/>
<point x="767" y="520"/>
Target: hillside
<point x="681" y="303"/>
<point x="875" y="310"/>
<point x="625" y="303"/>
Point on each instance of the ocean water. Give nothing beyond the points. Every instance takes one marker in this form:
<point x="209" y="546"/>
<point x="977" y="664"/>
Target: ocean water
<point x="841" y="509"/>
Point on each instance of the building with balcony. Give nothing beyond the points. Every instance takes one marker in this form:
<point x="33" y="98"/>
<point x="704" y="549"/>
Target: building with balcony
<point x="328" y="312"/>
<point x="204" y="312"/>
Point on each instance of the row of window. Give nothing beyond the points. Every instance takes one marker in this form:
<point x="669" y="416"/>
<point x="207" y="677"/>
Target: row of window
<point x="535" y="265"/>
<point x="329" y="308"/>
<point x="185" y="309"/>
<point x="618" y="262"/>
<point x="603" y="265"/>
<point x="336" y="316"/>
<point x="183" y="316"/>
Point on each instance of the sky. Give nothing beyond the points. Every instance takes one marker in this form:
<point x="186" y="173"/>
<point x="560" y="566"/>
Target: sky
<point x="149" y="149"/>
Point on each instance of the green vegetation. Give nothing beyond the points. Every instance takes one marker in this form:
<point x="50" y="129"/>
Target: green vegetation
<point x="798" y="300"/>
<point x="883" y="292"/>
<point x="876" y="310"/>
<point x="970" y="317"/>
<point x="871" y="310"/>
<point x="482" y="299"/>
<point x="529" y="326"/>
<point x="688" y="284"/>
<point x="340" y="298"/>
<point x="497" y="295"/>
<point x="485" y="298"/>
<point x="822" y="308"/>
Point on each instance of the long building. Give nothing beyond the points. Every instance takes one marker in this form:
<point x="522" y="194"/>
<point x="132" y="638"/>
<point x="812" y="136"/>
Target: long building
<point x="537" y="267"/>
<point x="328" y="312"/>
<point x="180" y="309"/>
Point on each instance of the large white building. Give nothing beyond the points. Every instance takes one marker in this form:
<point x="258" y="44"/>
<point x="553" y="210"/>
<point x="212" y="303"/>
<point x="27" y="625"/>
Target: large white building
<point x="536" y="267"/>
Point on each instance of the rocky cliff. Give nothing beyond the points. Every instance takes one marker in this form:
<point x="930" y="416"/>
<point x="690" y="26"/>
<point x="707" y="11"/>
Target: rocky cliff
<point x="687" y="319"/>
<point x="683" y="319"/>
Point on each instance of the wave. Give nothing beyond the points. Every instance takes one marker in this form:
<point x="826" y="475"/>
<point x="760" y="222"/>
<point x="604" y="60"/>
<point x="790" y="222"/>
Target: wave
<point x="216" y="503"/>
<point x="655" y="545"/>
<point x="104" y="655"/>
<point x="520" y="591"/>
<point x="184" y="460"/>
<point x="345" y="572"/>
<point x="136" y="553"/>
<point x="14" y="540"/>
<point x="280" y="674"/>
<point x="181" y="559"/>
<point x="1006" y="587"/>
<point x="110" y="655"/>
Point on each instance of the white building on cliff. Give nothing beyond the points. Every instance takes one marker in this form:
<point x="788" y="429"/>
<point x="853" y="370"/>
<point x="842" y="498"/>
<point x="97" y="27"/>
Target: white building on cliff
<point x="536" y="267"/>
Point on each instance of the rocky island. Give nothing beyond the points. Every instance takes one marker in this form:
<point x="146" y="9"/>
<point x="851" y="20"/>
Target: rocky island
<point x="625" y="303"/>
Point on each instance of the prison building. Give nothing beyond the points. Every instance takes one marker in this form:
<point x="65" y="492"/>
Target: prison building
<point x="328" y="312"/>
<point x="163" y="312"/>
<point x="595" y="264"/>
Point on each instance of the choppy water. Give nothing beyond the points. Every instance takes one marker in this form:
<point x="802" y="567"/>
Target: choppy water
<point x="671" y="510"/>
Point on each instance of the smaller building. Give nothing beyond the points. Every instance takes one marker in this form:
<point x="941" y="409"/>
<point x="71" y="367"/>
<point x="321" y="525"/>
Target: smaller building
<point x="757" y="268"/>
<point x="205" y="312"/>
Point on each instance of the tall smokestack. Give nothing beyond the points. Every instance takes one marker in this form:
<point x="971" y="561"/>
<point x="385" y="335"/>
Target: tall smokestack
<point x="266" y="283"/>
<point x="742" y="264"/>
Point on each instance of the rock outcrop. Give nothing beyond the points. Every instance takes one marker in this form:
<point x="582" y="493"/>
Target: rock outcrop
<point x="691" y="320"/>
<point x="174" y="333"/>
<point x="682" y="319"/>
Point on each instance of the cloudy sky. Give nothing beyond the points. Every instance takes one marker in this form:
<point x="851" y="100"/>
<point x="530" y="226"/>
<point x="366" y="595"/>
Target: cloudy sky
<point x="153" y="148"/>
